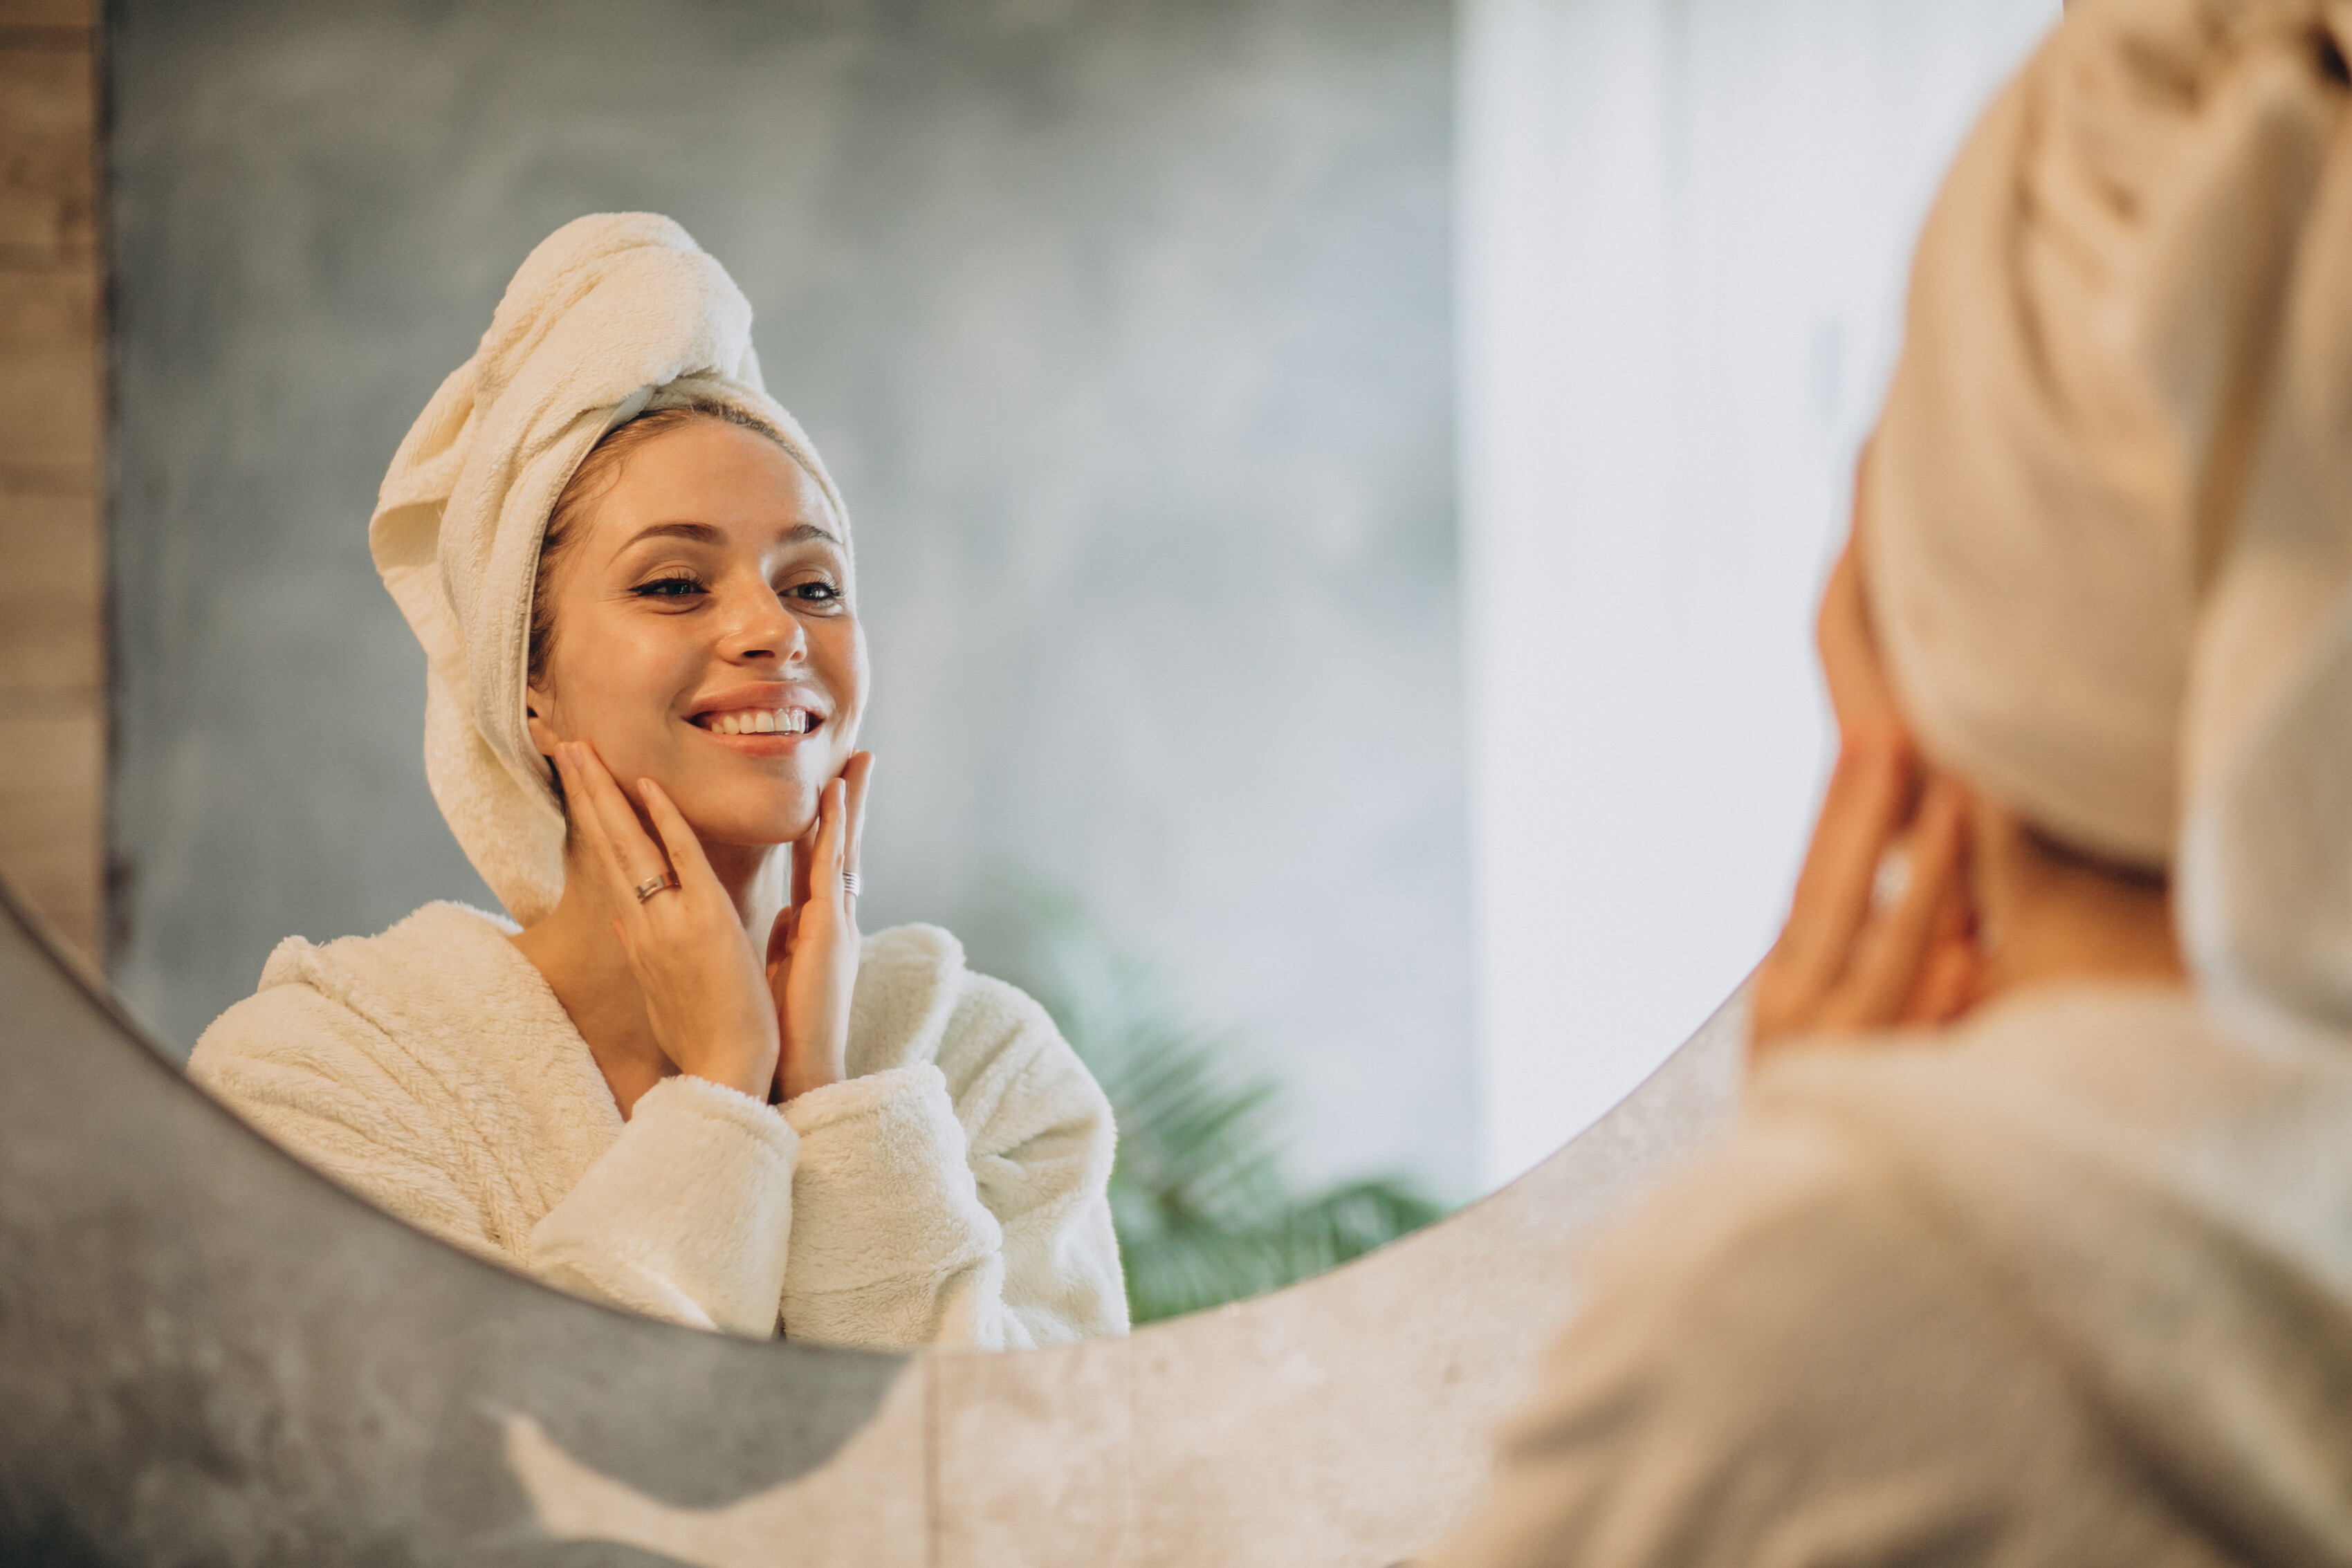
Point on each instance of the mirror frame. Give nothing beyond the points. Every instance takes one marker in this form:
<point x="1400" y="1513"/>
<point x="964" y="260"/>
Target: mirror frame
<point x="210" y="1352"/>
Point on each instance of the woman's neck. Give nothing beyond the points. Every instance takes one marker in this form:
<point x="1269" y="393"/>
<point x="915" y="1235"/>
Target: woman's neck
<point x="2054" y="916"/>
<point x="577" y="951"/>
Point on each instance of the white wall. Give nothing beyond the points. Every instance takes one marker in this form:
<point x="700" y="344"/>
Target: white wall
<point x="1683" y="230"/>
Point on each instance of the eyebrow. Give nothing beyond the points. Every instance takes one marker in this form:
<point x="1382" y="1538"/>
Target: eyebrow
<point x="704" y="534"/>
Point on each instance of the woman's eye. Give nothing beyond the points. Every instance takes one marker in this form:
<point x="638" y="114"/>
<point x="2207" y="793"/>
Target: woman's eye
<point x="669" y="587"/>
<point x="818" y="592"/>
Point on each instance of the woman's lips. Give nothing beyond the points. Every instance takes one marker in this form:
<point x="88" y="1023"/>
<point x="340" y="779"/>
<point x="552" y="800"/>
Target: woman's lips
<point x="764" y="731"/>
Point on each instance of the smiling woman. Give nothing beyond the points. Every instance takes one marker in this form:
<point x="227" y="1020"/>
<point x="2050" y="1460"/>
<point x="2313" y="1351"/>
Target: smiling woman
<point x="683" y="1083"/>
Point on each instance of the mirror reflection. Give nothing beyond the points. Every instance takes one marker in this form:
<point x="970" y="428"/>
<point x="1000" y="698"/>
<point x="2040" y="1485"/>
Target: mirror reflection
<point x="1239" y="420"/>
<point x="675" y="1078"/>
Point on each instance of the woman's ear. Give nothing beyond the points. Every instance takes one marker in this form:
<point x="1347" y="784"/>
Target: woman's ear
<point x="538" y="709"/>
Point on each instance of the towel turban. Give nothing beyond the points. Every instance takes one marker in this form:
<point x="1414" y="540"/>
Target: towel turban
<point x="2110" y="498"/>
<point x="612" y="315"/>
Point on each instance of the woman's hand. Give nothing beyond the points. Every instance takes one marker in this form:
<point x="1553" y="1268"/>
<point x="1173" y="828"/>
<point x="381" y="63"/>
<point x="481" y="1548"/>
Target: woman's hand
<point x="812" y="949"/>
<point x="1864" y="949"/>
<point x="709" y="1010"/>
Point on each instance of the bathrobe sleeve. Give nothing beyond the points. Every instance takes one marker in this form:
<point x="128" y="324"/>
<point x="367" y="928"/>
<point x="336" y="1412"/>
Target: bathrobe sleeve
<point x="1778" y="1363"/>
<point x="978" y="1217"/>
<point x="686" y="1216"/>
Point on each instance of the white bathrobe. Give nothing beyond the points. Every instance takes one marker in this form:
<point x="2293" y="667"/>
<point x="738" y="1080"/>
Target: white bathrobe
<point x="950" y="1192"/>
<point x="2069" y="1289"/>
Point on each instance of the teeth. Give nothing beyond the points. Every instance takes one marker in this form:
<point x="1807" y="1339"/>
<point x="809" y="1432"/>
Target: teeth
<point x="761" y="721"/>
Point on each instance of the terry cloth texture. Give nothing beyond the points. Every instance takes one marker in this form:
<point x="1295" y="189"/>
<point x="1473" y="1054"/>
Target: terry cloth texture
<point x="952" y="1192"/>
<point x="2070" y="1290"/>
<point x="2071" y="1284"/>
<point x="612" y="315"/>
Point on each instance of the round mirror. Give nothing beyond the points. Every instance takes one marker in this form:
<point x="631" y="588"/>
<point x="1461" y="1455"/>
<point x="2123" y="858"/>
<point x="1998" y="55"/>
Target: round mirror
<point x="1339" y="493"/>
<point x="1341" y="490"/>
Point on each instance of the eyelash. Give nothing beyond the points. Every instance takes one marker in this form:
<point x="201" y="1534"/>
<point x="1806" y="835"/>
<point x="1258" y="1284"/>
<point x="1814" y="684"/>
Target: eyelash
<point x="682" y="585"/>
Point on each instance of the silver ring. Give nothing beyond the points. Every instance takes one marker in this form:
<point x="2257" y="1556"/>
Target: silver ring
<point x="849" y="882"/>
<point x="1891" y="880"/>
<point x="654" y="884"/>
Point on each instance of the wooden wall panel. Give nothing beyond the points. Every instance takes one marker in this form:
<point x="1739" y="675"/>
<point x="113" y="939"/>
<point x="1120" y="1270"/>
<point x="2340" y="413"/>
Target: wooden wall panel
<point x="53" y="707"/>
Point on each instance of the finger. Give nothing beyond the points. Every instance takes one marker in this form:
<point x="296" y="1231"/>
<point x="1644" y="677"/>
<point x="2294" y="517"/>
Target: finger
<point x="1860" y="692"/>
<point x="1888" y="967"/>
<point x="803" y="852"/>
<point x="1955" y="917"/>
<point x="678" y="838"/>
<point x="1954" y="974"/>
<point x="832" y="836"/>
<point x="589" y="823"/>
<point x="637" y="857"/>
<point x="856" y="776"/>
<point x="1869" y="790"/>
<point x="1837" y="595"/>
<point x="1948" y="985"/>
<point x="779" y="941"/>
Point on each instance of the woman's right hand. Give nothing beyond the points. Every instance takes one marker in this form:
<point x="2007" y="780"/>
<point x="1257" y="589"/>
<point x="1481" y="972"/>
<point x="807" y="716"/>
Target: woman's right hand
<point x="705" y="995"/>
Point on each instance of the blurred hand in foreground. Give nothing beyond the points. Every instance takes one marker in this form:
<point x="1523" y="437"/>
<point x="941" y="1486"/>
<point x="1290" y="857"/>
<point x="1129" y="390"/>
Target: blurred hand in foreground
<point x="1883" y="929"/>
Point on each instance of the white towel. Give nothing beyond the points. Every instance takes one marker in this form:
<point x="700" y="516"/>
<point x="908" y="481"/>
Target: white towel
<point x="612" y="315"/>
<point x="2111" y="496"/>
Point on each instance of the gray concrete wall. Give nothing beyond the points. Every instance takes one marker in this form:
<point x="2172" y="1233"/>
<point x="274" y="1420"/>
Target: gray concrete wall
<point x="1126" y="326"/>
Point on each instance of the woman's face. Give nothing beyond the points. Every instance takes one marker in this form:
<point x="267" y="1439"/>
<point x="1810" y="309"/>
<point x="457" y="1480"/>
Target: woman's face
<point x="702" y="616"/>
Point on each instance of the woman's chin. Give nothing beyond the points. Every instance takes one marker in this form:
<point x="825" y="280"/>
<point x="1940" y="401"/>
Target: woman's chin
<point x="755" y="829"/>
<point x="739" y="837"/>
<point x="747" y="818"/>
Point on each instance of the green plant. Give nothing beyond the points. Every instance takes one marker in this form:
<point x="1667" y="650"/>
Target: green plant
<point x="1204" y="1210"/>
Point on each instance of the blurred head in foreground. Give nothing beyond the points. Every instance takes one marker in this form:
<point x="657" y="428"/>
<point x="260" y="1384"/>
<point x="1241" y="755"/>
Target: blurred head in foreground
<point x="2043" y="1255"/>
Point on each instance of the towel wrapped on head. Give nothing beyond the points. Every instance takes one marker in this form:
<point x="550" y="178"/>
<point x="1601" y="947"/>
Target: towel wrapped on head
<point x="2110" y="497"/>
<point x="612" y="315"/>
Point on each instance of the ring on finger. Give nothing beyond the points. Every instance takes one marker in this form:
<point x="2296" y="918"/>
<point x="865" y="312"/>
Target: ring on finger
<point x="849" y="882"/>
<point x="654" y="884"/>
<point x="1891" y="880"/>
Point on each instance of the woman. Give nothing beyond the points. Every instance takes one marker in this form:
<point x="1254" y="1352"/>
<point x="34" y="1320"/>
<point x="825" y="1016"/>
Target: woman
<point x="677" y="1085"/>
<point x="2033" y="1245"/>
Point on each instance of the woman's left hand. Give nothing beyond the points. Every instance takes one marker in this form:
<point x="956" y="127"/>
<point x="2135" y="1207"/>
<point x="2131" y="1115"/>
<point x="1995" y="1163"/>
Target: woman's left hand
<point x="1852" y="957"/>
<point x="812" y="948"/>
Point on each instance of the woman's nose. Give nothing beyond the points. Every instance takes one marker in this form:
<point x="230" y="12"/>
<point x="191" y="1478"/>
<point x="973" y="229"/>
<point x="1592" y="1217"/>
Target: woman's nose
<point x="761" y="628"/>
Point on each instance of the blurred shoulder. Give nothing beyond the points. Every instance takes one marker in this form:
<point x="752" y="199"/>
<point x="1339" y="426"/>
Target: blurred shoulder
<point x="1778" y="1356"/>
<point x="1771" y="1196"/>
